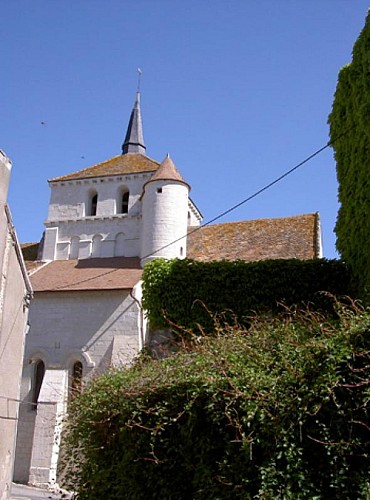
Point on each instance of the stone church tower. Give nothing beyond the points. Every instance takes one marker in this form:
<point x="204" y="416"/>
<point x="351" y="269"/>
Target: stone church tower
<point x="126" y="206"/>
<point x="104" y="223"/>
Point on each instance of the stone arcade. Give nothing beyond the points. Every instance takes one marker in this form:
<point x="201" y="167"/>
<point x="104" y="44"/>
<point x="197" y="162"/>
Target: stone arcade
<point x="104" y="223"/>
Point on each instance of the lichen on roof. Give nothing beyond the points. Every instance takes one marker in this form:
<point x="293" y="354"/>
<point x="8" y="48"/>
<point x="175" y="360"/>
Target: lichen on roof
<point x="251" y="240"/>
<point x="129" y="163"/>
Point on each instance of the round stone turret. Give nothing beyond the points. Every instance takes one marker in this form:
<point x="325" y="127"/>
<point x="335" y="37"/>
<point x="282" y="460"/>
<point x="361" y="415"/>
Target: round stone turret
<point x="164" y="211"/>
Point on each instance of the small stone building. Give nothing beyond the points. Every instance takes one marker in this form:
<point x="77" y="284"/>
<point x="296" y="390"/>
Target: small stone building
<point x="15" y="295"/>
<point x="104" y="223"/>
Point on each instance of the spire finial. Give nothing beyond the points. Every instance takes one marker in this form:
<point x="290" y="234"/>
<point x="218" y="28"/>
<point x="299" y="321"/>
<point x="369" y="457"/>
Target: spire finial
<point x="139" y="73"/>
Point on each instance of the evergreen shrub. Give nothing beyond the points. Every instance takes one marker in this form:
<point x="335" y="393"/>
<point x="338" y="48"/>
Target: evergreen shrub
<point x="278" y="411"/>
<point x="350" y="132"/>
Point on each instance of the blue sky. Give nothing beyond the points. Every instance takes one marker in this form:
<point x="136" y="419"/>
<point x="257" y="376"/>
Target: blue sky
<point x="236" y="91"/>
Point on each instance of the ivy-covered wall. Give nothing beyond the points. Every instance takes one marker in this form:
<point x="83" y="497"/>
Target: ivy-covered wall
<point x="189" y="293"/>
<point x="350" y="116"/>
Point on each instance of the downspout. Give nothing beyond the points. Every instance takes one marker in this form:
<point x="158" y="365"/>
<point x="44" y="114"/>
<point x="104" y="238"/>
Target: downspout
<point x="141" y="325"/>
<point x="318" y="237"/>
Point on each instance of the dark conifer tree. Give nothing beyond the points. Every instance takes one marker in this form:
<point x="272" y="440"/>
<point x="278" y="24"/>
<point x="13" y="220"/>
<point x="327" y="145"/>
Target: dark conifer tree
<point x="350" y="132"/>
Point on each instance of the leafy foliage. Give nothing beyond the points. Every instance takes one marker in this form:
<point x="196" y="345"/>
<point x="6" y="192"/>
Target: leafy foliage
<point x="183" y="291"/>
<point x="278" y="411"/>
<point x="350" y="130"/>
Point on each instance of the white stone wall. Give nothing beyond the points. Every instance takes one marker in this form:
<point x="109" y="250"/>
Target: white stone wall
<point x="165" y="220"/>
<point x="51" y="408"/>
<point x="69" y="199"/>
<point x="13" y="322"/>
<point x="120" y="236"/>
<point x="69" y="217"/>
<point x="72" y="233"/>
<point x="194" y="216"/>
<point x="95" y="328"/>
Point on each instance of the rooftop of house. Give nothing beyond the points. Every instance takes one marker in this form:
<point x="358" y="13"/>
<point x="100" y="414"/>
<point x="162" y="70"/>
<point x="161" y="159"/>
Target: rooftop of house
<point x="295" y="237"/>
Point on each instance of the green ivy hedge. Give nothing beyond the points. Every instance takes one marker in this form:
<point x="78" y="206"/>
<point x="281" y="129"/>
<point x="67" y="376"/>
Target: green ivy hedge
<point x="187" y="291"/>
<point x="350" y="121"/>
<point x="279" y="411"/>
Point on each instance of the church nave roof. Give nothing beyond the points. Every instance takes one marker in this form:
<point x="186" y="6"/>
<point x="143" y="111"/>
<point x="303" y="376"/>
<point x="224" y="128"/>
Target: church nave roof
<point x="129" y="163"/>
<point x="115" y="273"/>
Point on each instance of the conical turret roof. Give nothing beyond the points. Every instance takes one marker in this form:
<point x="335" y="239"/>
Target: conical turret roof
<point x="167" y="172"/>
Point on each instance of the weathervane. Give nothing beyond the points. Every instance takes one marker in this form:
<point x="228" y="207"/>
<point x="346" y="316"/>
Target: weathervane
<point x="139" y="72"/>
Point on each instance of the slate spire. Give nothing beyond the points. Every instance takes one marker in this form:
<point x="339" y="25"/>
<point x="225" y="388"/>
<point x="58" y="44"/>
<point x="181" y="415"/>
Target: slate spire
<point x="134" y="140"/>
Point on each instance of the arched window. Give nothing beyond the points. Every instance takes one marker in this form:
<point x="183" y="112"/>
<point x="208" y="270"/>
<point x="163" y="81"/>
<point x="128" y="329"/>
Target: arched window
<point x="94" y="204"/>
<point x="123" y="200"/>
<point x="38" y="377"/>
<point x="76" y="378"/>
<point x="124" y="204"/>
<point x="91" y="203"/>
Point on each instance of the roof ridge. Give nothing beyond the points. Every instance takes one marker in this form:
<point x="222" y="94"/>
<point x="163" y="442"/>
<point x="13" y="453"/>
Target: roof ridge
<point x="310" y="214"/>
<point x="259" y="239"/>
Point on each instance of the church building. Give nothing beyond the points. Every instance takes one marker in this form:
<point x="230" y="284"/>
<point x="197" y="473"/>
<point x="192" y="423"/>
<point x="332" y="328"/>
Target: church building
<point x="104" y="223"/>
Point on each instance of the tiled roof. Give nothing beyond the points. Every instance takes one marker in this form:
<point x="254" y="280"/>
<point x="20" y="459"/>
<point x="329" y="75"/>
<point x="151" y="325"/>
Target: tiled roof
<point x="32" y="265"/>
<point x="129" y="163"/>
<point x="251" y="240"/>
<point x="289" y="237"/>
<point x="88" y="274"/>
<point x="167" y="171"/>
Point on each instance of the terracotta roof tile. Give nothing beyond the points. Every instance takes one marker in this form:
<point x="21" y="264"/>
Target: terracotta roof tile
<point x="251" y="240"/>
<point x="128" y="163"/>
<point x="32" y="265"/>
<point x="88" y="274"/>
<point x="167" y="171"/>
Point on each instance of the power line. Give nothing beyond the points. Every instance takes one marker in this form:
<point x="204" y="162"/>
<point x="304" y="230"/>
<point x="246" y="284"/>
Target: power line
<point x="234" y="207"/>
<point x="256" y="193"/>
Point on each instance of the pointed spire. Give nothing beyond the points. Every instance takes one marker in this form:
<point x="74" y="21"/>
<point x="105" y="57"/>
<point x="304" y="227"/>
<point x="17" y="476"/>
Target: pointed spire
<point x="134" y="140"/>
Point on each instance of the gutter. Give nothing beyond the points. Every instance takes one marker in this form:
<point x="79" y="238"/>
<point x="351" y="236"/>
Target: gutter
<point x="18" y="251"/>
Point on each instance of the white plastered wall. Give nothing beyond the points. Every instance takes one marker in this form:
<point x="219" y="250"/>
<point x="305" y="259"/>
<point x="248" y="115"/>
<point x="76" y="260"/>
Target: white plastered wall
<point x="69" y="217"/>
<point x="165" y="220"/>
<point x="14" y="297"/>
<point x="96" y="328"/>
